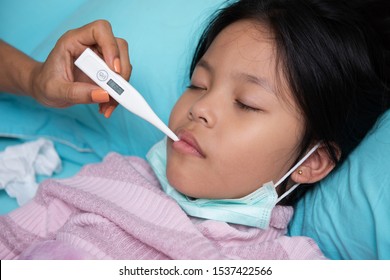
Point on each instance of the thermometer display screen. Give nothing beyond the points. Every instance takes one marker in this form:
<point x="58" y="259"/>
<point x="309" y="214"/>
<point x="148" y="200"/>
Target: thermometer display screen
<point x="115" y="87"/>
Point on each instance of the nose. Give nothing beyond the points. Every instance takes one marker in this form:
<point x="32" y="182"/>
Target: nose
<point x="203" y="110"/>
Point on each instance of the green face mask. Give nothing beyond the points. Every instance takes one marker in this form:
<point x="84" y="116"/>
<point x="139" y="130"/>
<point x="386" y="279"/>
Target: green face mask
<point x="252" y="210"/>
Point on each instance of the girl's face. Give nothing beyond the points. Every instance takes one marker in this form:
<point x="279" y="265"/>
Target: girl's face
<point x="236" y="132"/>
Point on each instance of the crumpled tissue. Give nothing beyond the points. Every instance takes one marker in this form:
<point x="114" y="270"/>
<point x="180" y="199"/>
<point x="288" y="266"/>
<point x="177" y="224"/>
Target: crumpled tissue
<point x="19" y="165"/>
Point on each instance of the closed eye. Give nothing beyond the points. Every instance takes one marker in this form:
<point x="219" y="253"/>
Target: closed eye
<point x="246" y="107"/>
<point x="191" y="86"/>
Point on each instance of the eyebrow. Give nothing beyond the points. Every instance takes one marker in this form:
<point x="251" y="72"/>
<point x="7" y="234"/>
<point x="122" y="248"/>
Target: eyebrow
<point x="204" y="64"/>
<point x="260" y="81"/>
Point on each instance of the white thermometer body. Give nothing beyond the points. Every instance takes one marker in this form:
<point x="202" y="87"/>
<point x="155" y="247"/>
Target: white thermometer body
<point x="119" y="89"/>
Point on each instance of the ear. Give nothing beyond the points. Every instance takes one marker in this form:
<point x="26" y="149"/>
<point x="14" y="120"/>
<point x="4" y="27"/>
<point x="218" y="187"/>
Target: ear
<point x="315" y="168"/>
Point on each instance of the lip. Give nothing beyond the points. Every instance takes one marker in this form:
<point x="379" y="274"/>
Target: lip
<point x="188" y="144"/>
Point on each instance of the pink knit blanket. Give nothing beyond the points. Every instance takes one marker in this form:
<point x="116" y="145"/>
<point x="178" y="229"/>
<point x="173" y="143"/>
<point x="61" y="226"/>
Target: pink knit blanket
<point x="117" y="210"/>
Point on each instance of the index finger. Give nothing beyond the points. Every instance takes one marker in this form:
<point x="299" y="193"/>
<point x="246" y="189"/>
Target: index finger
<point x="98" y="33"/>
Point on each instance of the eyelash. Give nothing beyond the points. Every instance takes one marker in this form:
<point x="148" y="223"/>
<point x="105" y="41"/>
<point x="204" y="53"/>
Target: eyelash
<point x="195" y="87"/>
<point x="246" y="107"/>
<point x="240" y="105"/>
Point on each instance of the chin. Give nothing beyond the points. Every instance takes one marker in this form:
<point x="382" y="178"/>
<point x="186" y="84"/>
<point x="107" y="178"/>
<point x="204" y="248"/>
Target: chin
<point x="179" y="184"/>
<point x="184" y="183"/>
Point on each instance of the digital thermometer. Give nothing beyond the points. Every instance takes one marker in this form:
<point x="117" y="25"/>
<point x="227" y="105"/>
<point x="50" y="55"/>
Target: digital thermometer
<point x="119" y="89"/>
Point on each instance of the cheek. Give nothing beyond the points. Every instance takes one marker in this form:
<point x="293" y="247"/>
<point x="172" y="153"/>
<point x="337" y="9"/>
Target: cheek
<point x="257" y="157"/>
<point x="179" y="111"/>
<point x="245" y="167"/>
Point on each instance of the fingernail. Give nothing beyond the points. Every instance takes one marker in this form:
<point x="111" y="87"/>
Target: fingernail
<point x="109" y="111"/>
<point x="117" y="65"/>
<point x="100" y="96"/>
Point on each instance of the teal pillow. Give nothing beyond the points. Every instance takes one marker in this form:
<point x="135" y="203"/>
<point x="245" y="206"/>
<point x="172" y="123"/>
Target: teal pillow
<point x="348" y="213"/>
<point x="25" y="23"/>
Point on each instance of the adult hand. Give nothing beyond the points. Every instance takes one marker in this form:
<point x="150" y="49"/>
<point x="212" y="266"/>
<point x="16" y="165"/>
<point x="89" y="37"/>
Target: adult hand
<point x="58" y="83"/>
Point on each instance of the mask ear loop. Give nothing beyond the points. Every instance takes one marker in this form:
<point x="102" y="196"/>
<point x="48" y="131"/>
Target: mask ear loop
<point x="292" y="170"/>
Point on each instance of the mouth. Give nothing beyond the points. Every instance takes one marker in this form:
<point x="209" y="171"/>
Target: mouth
<point x="188" y="144"/>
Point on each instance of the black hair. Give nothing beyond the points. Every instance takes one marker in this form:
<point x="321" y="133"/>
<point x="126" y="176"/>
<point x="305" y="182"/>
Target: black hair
<point x="335" y="57"/>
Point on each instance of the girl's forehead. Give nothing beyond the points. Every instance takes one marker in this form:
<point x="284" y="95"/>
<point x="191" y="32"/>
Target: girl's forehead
<point x="245" y="30"/>
<point x="243" y="42"/>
